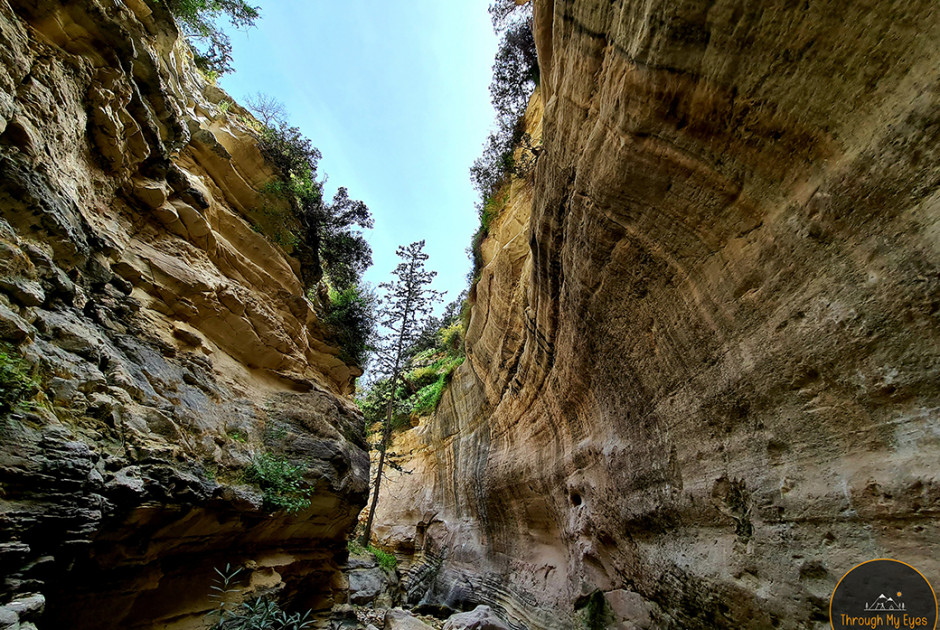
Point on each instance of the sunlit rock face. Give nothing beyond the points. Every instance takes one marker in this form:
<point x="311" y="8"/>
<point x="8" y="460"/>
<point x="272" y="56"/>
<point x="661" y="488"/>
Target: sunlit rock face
<point x="171" y="339"/>
<point x="703" y="358"/>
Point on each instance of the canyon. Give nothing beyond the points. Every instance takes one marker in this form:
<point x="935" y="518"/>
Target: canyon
<point x="703" y="355"/>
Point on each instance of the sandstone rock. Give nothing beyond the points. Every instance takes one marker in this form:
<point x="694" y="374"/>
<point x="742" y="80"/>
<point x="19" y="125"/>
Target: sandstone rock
<point x="398" y="619"/>
<point x="151" y="194"/>
<point x="480" y="618"/>
<point x="12" y="326"/>
<point x="25" y="292"/>
<point x="630" y="607"/>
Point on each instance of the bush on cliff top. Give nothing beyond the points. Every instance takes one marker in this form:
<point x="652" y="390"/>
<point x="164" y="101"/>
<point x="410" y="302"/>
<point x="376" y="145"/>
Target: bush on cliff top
<point x="212" y="48"/>
<point x="515" y="77"/>
<point x="323" y="234"/>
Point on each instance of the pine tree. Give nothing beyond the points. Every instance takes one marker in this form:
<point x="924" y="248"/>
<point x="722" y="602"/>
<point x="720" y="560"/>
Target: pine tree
<point x="405" y="309"/>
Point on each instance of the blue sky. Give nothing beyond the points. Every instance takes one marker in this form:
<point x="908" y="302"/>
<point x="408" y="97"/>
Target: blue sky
<point x="395" y="95"/>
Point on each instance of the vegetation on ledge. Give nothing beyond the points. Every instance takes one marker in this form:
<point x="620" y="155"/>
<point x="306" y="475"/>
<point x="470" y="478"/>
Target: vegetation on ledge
<point x="432" y="360"/>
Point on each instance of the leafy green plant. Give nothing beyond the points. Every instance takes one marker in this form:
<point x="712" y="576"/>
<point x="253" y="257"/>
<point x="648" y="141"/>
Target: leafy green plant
<point x="224" y="106"/>
<point x="259" y="613"/>
<point x="386" y="560"/>
<point x="326" y="231"/>
<point x="17" y="383"/>
<point x="355" y="549"/>
<point x="351" y="320"/>
<point x="198" y="20"/>
<point x="223" y="593"/>
<point x="281" y="481"/>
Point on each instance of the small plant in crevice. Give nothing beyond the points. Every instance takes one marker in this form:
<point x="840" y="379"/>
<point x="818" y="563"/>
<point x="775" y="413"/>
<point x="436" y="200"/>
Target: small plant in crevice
<point x="17" y="383"/>
<point x="386" y="560"/>
<point x="281" y="482"/>
<point x="354" y="548"/>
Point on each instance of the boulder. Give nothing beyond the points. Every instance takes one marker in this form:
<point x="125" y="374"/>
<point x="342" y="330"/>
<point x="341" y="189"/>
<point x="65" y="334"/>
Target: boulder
<point x="398" y="619"/>
<point x="480" y="618"/>
<point x="366" y="584"/>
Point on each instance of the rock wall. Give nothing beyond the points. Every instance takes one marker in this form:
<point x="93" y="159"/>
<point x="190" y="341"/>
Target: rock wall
<point x="702" y="374"/>
<point x="167" y="342"/>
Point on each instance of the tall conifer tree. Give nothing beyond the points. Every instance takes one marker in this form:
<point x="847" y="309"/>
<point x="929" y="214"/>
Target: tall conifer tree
<point x="404" y="311"/>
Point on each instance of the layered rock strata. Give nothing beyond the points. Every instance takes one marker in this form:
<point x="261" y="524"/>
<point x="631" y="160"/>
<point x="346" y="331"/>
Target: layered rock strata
<point x="702" y="375"/>
<point x="165" y="341"/>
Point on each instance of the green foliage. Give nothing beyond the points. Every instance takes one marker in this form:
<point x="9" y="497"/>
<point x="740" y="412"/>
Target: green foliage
<point x="17" y="383"/>
<point x="259" y="613"/>
<point x="428" y="396"/>
<point x="324" y="233"/>
<point x="452" y="337"/>
<point x="351" y="319"/>
<point x="437" y="351"/>
<point x="212" y="49"/>
<point x="515" y="76"/>
<point x="386" y="560"/>
<point x="281" y="481"/>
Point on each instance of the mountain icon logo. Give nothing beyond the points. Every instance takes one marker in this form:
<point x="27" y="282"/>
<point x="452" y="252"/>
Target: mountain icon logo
<point x="885" y="603"/>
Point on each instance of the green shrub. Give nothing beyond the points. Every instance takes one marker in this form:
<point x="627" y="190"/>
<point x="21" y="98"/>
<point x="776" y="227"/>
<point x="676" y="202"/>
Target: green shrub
<point x="281" y="481"/>
<point x="351" y="320"/>
<point x="386" y="560"/>
<point x="326" y="231"/>
<point x="452" y="338"/>
<point x="355" y="549"/>
<point x="16" y="381"/>
<point x="424" y="376"/>
<point x="428" y="398"/>
<point x="212" y="48"/>
<point x="259" y="613"/>
<point x="515" y="77"/>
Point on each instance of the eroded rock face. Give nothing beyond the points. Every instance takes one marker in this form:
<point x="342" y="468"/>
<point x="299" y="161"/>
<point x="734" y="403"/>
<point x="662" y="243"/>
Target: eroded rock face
<point x="702" y="372"/>
<point x="171" y="340"/>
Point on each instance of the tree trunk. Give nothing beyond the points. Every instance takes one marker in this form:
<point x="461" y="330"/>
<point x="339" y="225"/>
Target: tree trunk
<point x="386" y="432"/>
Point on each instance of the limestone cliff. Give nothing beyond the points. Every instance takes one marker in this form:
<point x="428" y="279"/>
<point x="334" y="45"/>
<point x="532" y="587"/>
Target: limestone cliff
<point x="703" y="358"/>
<point x="166" y="340"/>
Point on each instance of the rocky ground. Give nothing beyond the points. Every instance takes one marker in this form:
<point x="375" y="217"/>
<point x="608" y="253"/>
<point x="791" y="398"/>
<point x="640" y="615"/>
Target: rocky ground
<point x="375" y="596"/>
